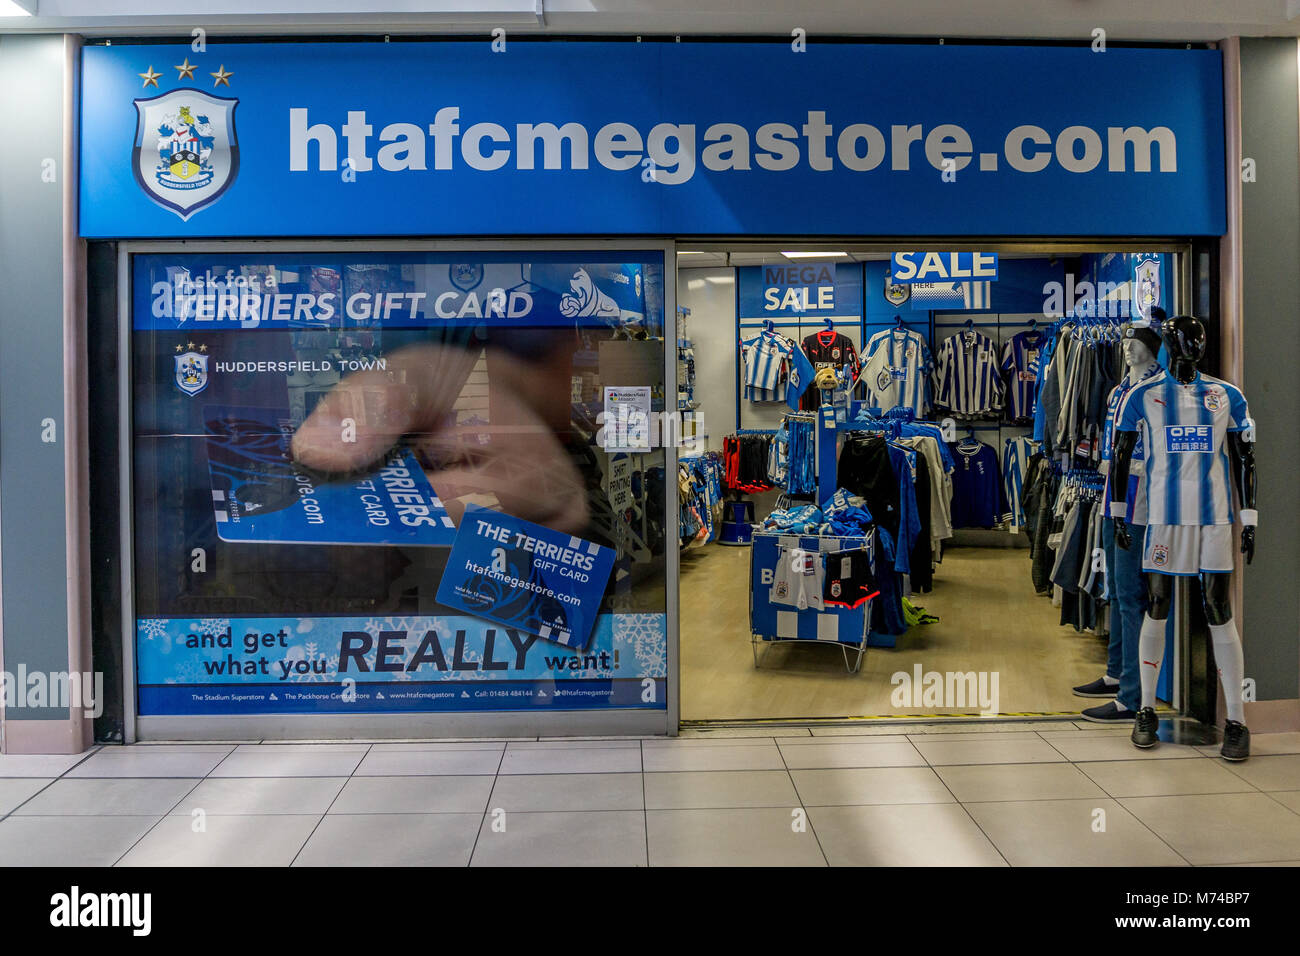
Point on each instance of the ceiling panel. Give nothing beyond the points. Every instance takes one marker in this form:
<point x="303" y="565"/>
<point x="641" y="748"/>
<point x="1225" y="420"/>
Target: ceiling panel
<point x="1162" y="20"/>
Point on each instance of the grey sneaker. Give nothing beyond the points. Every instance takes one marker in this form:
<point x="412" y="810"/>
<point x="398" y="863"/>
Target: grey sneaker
<point x="1236" y="741"/>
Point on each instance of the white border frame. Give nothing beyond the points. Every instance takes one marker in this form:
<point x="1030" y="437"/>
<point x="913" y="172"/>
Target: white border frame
<point x="385" y="726"/>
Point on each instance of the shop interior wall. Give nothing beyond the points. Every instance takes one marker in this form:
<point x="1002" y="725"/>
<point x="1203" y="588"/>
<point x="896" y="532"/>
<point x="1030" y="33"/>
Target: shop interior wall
<point x="710" y="294"/>
<point x="1270" y="282"/>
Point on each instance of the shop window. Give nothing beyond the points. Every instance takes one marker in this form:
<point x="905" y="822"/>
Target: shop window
<point x="371" y="483"/>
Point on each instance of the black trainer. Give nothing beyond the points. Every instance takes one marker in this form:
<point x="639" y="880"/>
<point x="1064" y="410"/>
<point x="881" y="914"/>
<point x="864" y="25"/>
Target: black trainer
<point x="1108" y="713"/>
<point x="1098" y="688"/>
<point x="1144" y="728"/>
<point x="1236" y="741"/>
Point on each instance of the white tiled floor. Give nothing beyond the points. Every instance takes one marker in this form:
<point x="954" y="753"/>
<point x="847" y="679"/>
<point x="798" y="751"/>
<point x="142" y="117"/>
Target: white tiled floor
<point x="1027" y="794"/>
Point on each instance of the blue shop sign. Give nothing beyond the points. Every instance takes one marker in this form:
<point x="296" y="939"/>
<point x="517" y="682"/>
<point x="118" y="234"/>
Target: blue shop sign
<point x="624" y="138"/>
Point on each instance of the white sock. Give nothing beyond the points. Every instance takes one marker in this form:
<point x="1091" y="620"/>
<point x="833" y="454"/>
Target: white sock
<point x="1110" y="681"/>
<point x="1151" y="654"/>
<point x="1228" y="657"/>
<point x="1118" y="706"/>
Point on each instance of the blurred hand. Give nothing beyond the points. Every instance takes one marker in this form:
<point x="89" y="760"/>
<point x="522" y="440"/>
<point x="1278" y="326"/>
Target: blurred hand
<point x="516" y="458"/>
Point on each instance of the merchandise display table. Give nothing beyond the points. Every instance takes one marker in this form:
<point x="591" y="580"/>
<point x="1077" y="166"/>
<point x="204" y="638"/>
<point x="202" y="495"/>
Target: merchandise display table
<point x="771" y="622"/>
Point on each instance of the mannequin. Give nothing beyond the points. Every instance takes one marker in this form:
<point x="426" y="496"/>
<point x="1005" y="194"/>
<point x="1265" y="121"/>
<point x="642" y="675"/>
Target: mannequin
<point x="1200" y="432"/>
<point x="1128" y="598"/>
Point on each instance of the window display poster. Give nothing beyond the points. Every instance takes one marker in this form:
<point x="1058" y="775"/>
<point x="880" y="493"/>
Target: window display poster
<point x="522" y="574"/>
<point x="618" y="483"/>
<point x="800" y="293"/>
<point x="627" y="418"/>
<point x="264" y="585"/>
<point x="445" y="663"/>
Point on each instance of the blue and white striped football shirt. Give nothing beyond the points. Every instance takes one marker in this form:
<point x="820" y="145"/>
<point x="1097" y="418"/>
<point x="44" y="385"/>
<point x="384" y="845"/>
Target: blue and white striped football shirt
<point x="1186" y="462"/>
<point x="765" y="358"/>
<point x="967" y="375"/>
<point x="1020" y="366"/>
<point x="1015" y="464"/>
<point x="895" y="371"/>
<point x="1135" y="500"/>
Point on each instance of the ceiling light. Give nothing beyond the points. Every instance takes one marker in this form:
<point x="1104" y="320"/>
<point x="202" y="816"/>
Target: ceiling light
<point x="15" y="8"/>
<point x="815" y="255"/>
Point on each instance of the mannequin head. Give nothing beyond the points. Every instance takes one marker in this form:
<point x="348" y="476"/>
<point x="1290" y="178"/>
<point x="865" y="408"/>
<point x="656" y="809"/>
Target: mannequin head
<point x="1185" y="339"/>
<point x="1141" y="344"/>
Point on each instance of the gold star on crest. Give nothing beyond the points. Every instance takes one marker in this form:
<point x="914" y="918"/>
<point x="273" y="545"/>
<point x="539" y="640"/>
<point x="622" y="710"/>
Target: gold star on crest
<point x="150" y="77"/>
<point x="190" y="346"/>
<point x="186" y="70"/>
<point x="179" y="347"/>
<point x="203" y="348"/>
<point x="222" y="76"/>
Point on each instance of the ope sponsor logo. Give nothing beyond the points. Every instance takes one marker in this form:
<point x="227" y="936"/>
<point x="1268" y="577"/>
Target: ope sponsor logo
<point x="1192" y="438"/>
<point x="95" y="910"/>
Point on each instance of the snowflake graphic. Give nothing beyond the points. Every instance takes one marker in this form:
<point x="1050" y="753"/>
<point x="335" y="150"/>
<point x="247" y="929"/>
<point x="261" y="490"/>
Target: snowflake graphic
<point x="311" y="654"/>
<point x="646" y="635"/>
<point x="152" y="628"/>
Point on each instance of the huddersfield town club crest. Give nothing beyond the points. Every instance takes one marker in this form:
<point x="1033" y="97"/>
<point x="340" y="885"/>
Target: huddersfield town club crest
<point x="896" y="293"/>
<point x="465" y="275"/>
<point x="185" y="155"/>
<point x="191" y="372"/>
<point x="1146" y="287"/>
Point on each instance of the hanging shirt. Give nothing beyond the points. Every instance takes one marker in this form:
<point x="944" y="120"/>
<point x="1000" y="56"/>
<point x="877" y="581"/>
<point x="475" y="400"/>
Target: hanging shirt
<point x="766" y="356"/>
<point x="939" y="477"/>
<point x="828" y="348"/>
<point x="1135" y="501"/>
<point x="1042" y="396"/>
<point x="800" y="376"/>
<point x="976" y="486"/>
<point x="1015" y="466"/>
<point x="967" y="378"/>
<point x="801" y="478"/>
<point x="1019" y="368"/>
<point x="895" y="371"/>
<point x="903" y="461"/>
<point x="1186" y="465"/>
<point x="778" y="457"/>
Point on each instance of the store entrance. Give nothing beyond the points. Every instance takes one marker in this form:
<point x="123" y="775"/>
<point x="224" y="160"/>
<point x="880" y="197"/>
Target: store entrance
<point x="931" y="454"/>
